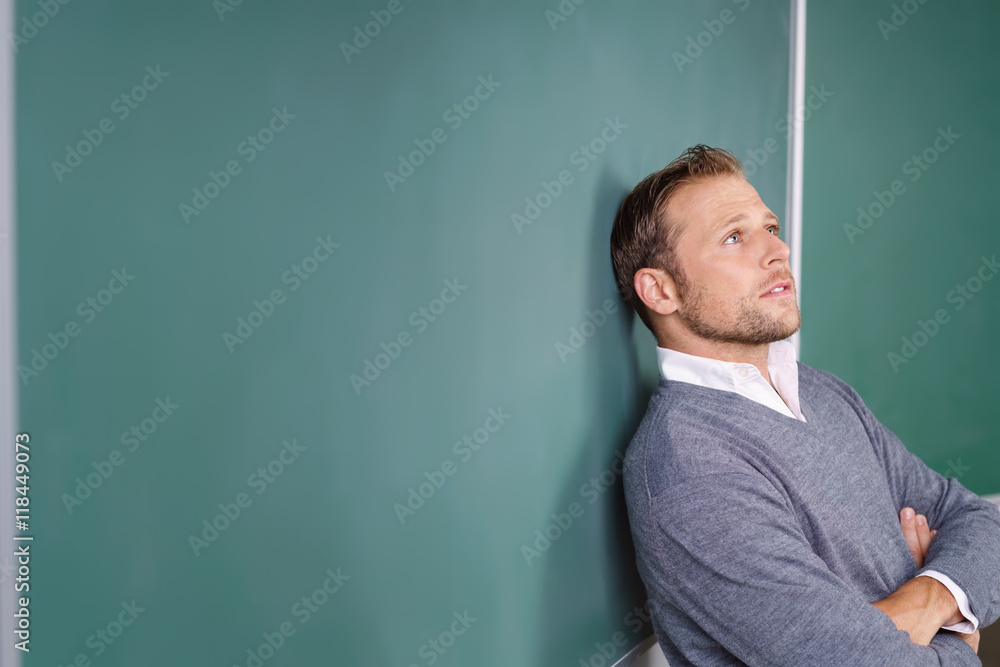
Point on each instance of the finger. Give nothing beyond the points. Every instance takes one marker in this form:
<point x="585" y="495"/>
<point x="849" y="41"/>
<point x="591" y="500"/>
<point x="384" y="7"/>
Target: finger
<point x="907" y="523"/>
<point x="923" y="535"/>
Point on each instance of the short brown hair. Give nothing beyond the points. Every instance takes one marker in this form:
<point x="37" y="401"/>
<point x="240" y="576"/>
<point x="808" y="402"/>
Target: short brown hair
<point x="642" y="237"/>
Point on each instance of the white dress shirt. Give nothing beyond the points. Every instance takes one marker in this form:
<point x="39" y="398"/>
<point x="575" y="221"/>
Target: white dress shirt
<point x="745" y="380"/>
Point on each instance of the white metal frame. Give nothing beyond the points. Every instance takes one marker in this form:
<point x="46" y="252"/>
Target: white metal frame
<point x="8" y="337"/>
<point x="796" y="102"/>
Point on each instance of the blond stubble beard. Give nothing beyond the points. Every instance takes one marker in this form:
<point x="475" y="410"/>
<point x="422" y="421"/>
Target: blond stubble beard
<point x="752" y="327"/>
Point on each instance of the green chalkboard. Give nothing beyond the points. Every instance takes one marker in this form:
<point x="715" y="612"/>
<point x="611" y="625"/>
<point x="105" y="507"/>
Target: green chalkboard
<point x="901" y="242"/>
<point x="320" y="351"/>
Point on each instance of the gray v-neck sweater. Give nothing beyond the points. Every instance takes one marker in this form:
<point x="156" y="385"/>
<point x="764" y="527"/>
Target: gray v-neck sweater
<point x="762" y="540"/>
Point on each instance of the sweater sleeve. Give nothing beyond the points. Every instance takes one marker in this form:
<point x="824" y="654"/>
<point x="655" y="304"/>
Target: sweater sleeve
<point x="967" y="545"/>
<point x="732" y="555"/>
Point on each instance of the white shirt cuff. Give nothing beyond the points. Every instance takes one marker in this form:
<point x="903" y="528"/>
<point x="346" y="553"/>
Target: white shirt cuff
<point x="972" y="623"/>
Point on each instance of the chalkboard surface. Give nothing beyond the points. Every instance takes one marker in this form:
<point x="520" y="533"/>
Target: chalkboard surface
<point x="901" y="244"/>
<point x="320" y="351"/>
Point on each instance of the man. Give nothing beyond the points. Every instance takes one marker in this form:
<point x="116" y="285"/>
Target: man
<point x="770" y="510"/>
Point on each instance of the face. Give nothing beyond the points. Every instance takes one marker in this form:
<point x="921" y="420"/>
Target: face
<point x="730" y="258"/>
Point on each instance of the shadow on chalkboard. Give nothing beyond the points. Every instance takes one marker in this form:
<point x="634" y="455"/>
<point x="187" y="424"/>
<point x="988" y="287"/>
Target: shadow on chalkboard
<point x="592" y="581"/>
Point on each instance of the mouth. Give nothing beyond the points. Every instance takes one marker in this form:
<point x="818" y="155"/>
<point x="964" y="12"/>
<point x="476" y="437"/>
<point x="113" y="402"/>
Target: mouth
<point x="778" y="290"/>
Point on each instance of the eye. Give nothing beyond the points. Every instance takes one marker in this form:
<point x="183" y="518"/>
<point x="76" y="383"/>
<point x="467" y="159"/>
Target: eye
<point x="775" y="229"/>
<point x="734" y="235"/>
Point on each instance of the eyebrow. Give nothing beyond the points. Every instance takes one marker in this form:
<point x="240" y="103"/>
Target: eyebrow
<point x="742" y="217"/>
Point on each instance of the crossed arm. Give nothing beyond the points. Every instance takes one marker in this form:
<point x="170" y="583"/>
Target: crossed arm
<point x="923" y="604"/>
<point x="749" y="579"/>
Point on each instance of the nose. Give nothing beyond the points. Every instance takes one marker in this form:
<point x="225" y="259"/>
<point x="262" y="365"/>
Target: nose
<point x="776" y="252"/>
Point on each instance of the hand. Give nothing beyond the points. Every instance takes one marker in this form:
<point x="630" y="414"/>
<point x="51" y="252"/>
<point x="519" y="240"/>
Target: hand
<point x="972" y="640"/>
<point x="919" y="607"/>
<point x="918" y="538"/>
<point x="917" y="533"/>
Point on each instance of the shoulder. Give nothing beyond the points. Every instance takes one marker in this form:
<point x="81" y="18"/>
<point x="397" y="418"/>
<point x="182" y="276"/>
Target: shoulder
<point x="821" y="387"/>
<point x="809" y="376"/>
<point x="686" y="432"/>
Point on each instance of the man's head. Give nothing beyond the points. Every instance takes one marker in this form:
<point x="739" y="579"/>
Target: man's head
<point x="695" y="251"/>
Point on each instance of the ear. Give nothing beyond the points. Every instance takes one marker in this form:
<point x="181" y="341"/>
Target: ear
<point x="657" y="289"/>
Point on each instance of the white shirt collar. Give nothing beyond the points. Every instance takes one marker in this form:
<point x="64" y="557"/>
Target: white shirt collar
<point x="741" y="378"/>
